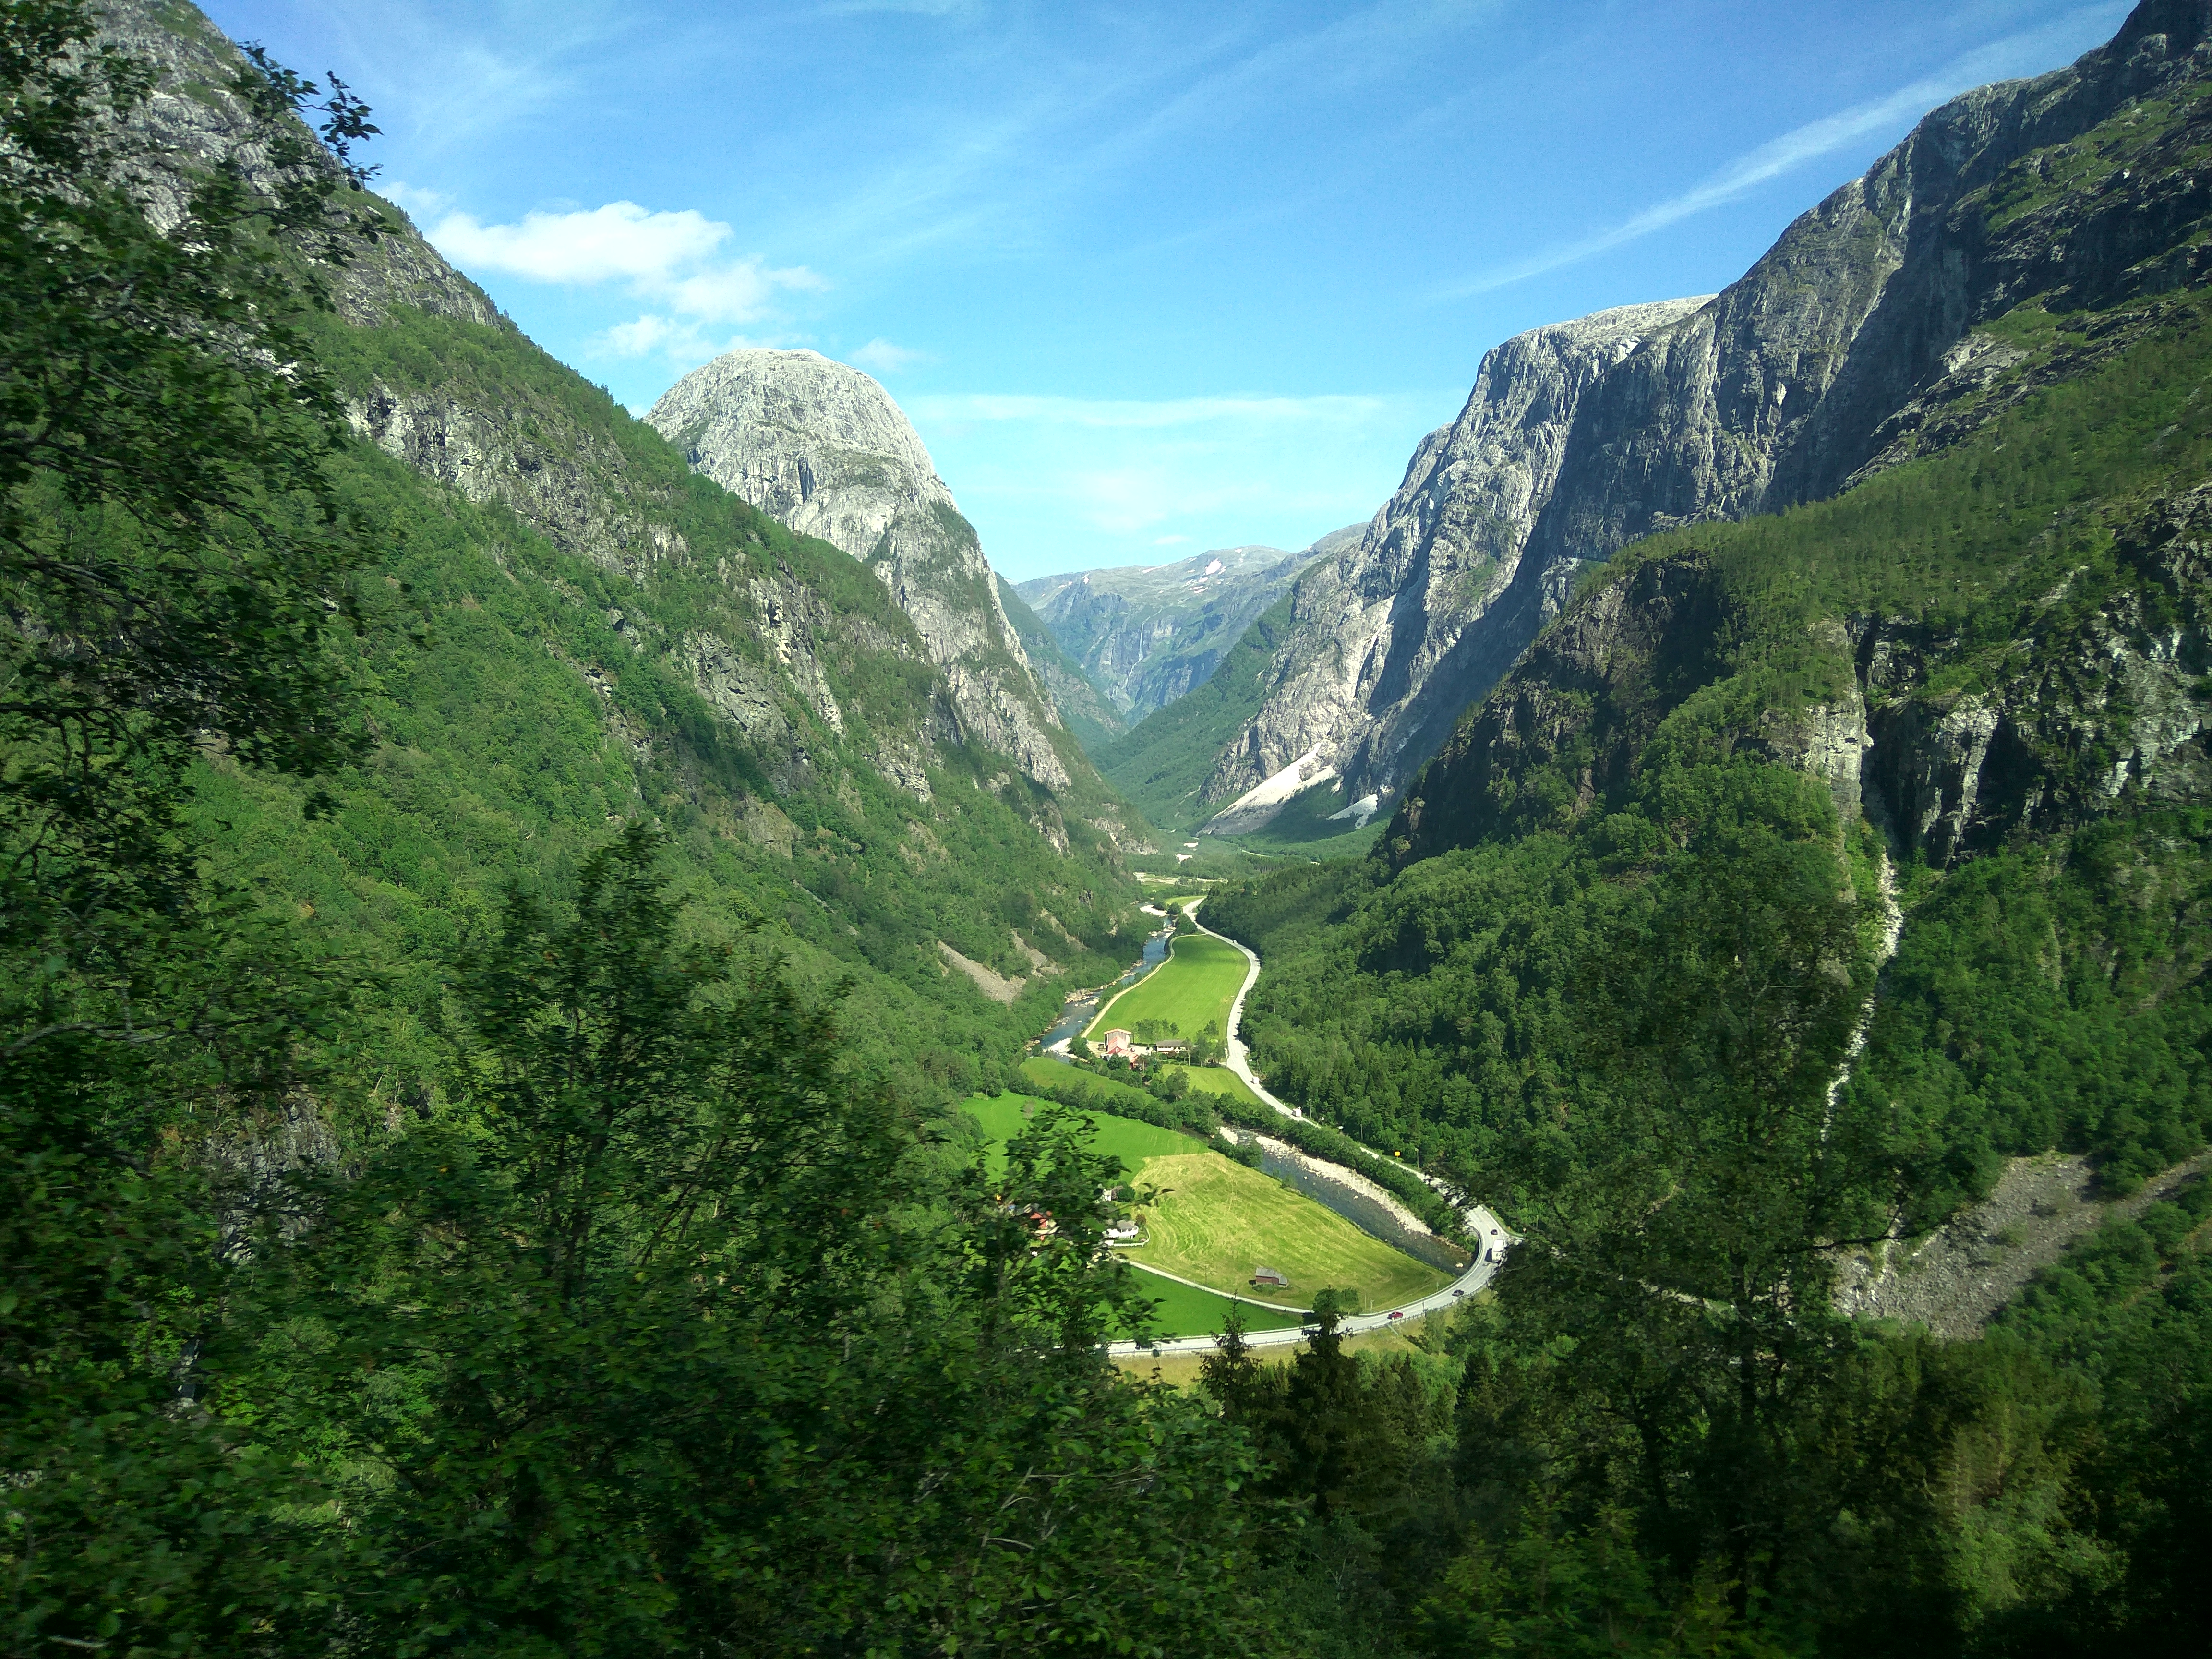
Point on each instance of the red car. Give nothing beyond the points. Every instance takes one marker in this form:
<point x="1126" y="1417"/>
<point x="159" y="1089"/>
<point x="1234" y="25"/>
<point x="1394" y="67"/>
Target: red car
<point x="1397" y="1313"/>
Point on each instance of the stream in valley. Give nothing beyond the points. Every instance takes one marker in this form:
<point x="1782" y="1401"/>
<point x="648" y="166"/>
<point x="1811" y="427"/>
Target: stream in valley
<point x="1082" y="1008"/>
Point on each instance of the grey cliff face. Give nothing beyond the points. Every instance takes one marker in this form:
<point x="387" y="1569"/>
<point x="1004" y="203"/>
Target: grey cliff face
<point x="1859" y="341"/>
<point x="821" y="447"/>
<point x="1393" y="632"/>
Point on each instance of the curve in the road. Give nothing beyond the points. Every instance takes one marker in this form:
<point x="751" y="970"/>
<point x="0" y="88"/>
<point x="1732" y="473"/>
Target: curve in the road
<point x="1488" y="1230"/>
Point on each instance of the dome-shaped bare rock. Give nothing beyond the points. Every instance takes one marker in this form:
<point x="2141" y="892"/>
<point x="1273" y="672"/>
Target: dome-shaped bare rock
<point x="823" y="448"/>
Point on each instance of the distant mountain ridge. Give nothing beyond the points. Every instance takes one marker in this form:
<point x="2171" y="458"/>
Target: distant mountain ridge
<point x="1146" y="635"/>
<point x="1861" y="338"/>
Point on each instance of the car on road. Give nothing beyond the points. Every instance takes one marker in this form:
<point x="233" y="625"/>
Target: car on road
<point x="1459" y="1292"/>
<point x="1397" y="1313"/>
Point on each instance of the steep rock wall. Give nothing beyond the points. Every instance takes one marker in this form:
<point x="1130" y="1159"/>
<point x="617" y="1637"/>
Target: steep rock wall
<point x="823" y="448"/>
<point x="1394" y="635"/>
<point x="1864" y="336"/>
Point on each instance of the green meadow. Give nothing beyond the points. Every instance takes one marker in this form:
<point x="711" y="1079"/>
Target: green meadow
<point x="1192" y="987"/>
<point x="1215" y="1220"/>
<point x="1186" y="1310"/>
<point x="1213" y="1080"/>
<point x="1211" y="1219"/>
<point x="1005" y="1116"/>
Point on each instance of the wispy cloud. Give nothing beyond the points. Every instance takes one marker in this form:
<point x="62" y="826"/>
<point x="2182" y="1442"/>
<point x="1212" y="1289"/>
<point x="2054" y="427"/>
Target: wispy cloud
<point x="1801" y="145"/>
<point x="672" y="259"/>
<point x="884" y="358"/>
<point x="417" y="201"/>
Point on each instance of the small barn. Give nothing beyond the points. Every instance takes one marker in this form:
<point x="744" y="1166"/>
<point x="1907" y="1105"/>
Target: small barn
<point x="1273" y="1277"/>
<point x="1117" y="1041"/>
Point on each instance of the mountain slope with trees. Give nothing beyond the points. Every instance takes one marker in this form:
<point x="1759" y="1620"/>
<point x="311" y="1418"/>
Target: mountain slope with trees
<point x="1623" y="964"/>
<point x="476" y="1175"/>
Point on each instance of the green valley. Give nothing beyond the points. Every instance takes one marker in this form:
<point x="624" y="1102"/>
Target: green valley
<point x="1187" y="992"/>
<point x="1208" y="1220"/>
<point x="540" y="948"/>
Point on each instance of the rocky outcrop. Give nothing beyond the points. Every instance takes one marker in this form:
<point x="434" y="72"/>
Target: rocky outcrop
<point x="1884" y="323"/>
<point x="1955" y="1279"/>
<point x="1146" y="635"/>
<point x="2091" y="709"/>
<point x="821" y="447"/>
<point x="199" y="120"/>
<point x="1393" y="635"/>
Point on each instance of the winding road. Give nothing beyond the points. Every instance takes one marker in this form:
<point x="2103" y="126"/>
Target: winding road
<point x="1481" y="1223"/>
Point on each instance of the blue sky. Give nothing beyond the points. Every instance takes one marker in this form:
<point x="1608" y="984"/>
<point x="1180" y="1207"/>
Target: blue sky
<point x="1149" y="278"/>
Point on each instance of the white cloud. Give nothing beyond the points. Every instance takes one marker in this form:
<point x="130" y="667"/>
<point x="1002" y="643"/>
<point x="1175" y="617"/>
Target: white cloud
<point x="670" y="259"/>
<point x="884" y="358"/>
<point x="1797" y="146"/>
<point x="621" y="240"/>
<point x="414" y="201"/>
<point x="683" y="343"/>
<point x="1169" y="541"/>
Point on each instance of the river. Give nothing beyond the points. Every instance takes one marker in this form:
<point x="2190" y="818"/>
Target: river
<point x="1082" y="1008"/>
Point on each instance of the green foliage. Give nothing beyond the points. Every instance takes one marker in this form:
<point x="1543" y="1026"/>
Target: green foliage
<point x="171" y="556"/>
<point x="2049" y="996"/>
<point x="1192" y="989"/>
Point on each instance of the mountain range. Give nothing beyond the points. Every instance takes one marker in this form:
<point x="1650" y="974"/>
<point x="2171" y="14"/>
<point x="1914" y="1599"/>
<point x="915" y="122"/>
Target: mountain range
<point x="508" y="901"/>
<point x="1146" y="635"/>
<point x="850" y="742"/>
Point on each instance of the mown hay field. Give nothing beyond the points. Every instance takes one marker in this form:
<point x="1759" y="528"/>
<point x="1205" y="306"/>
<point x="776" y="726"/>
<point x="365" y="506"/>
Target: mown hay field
<point x="1192" y="987"/>
<point x="1215" y="1221"/>
<point x="1186" y="1310"/>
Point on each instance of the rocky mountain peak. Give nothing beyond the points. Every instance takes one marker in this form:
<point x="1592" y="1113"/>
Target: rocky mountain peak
<point x="823" y="448"/>
<point x="819" y="444"/>
<point x="1356" y="687"/>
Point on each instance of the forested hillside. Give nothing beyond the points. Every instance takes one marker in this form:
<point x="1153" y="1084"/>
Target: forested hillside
<point x="494" y="934"/>
<point x="1803" y="872"/>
